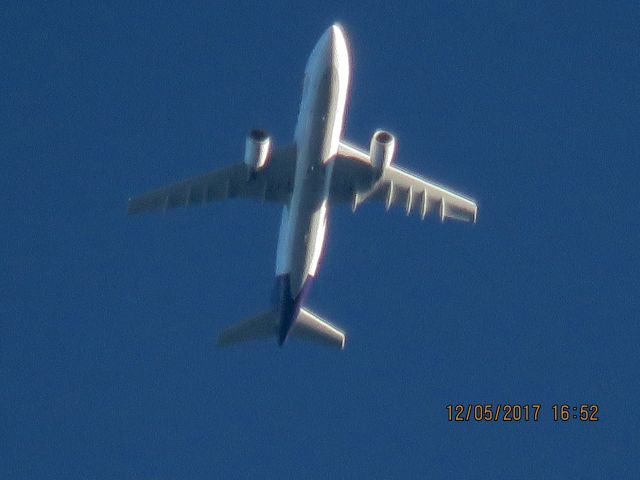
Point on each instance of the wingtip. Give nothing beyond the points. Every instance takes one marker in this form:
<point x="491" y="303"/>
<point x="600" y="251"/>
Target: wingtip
<point x="130" y="206"/>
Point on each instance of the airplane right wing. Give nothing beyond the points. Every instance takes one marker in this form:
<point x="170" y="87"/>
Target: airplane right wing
<point x="273" y="183"/>
<point x="354" y="182"/>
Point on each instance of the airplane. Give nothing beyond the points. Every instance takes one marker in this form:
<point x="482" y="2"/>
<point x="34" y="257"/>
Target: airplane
<point x="318" y="170"/>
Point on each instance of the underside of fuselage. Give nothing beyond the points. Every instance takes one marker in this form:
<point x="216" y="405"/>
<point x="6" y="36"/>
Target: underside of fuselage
<point x="287" y="304"/>
<point x="317" y="136"/>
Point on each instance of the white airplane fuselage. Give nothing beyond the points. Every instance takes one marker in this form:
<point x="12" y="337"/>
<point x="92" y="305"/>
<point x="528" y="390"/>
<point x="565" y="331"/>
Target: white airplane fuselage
<point x="299" y="177"/>
<point x="317" y="137"/>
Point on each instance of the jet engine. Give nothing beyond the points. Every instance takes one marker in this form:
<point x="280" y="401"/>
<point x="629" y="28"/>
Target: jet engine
<point x="257" y="149"/>
<point x="381" y="150"/>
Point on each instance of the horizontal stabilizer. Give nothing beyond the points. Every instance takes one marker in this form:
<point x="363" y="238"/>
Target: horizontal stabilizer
<point x="259" y="327"/>
<point x="309" y="326"/>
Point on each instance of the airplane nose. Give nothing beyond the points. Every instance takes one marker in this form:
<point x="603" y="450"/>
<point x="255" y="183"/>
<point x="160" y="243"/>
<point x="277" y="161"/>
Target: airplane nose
<point x="336" y="42"/>
<point x="325" y="44"/>
<point x="332" y="47"/>
<point x="333" y="33"/>
<point x="330" y="53"/>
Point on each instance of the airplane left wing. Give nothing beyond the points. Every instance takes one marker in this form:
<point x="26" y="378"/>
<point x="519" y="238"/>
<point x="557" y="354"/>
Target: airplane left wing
<point x="273" y="183"/>
<point x="354" y="182"/>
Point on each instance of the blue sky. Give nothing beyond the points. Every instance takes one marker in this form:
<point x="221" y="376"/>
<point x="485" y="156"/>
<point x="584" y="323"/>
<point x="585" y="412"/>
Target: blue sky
<point x="108" y="362"/>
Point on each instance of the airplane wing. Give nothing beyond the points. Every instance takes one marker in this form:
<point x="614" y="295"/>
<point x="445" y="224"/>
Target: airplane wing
<point x="354" y="182"/>
<point x="273" y="183"/>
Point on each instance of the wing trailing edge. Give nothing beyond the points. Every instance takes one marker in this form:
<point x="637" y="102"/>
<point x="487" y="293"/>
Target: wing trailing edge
<point x="273" y="183"/>
<point x="355" y="182"/>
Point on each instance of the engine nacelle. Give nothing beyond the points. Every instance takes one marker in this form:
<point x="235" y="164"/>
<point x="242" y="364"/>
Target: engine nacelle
<point x="257" y="149"/>
<point x="382" y="150"/>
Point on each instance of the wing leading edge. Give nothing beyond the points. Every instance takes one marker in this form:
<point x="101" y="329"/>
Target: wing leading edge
<point x="355" y="183"/>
